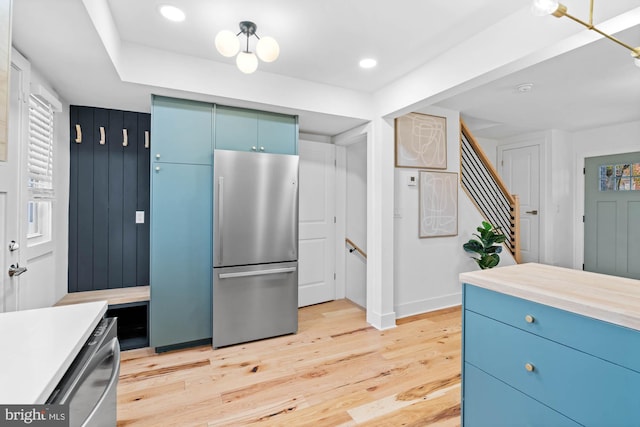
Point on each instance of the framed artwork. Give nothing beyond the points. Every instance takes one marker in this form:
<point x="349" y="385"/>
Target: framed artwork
<point x="421" y="141"/>
<point x="438" y="204"/>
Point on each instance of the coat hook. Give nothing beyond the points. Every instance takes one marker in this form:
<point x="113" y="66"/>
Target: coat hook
<point x="125" y="138"/>
<point x="146" y="139"/>
<point x="78" y="134"/>
<point x="102" y="138"/>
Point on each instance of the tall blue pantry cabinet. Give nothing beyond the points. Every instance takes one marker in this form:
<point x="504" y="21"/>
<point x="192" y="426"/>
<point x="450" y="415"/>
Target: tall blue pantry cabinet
<point x="181" y="226"/>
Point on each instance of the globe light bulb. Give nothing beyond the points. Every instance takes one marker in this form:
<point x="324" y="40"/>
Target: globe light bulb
<point x="268" y="49"/>
<point x="227" y="43"/>
<point x="247" y="62"/>
<point x="544" y="7"/>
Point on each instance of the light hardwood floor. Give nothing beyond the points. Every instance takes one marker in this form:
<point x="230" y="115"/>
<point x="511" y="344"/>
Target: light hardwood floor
<point x="336" y="371"/>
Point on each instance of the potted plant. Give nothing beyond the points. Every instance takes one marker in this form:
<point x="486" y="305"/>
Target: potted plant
<point x="487" y="247"/>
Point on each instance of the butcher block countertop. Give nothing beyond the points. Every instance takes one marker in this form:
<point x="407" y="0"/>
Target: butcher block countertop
<point x="611" y="299"/>
<point x="39" y="345"/>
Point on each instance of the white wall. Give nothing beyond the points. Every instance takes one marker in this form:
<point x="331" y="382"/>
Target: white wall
<point x="558" y="229"/>
<point x="615" y="139"/>
<point x="489" y="146"/>
<point x="356" y="220"/>
<point x="426" y="270"/>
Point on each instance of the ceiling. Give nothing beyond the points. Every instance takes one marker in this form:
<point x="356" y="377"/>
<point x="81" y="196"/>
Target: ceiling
<point x="322" y="42"/>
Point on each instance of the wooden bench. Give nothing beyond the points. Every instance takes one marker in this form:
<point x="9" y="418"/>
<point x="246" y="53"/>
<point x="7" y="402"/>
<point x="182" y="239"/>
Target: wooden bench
<point x="112" y="296"/>
<point x="129" y="305"/>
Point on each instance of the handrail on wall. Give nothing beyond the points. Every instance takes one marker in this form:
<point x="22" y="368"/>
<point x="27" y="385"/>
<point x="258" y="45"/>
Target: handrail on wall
<point x="355" y="247"/>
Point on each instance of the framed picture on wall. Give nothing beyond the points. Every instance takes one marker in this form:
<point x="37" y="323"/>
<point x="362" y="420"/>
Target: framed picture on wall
<point x="438" y="204"/>
<point x="421" y="141"/>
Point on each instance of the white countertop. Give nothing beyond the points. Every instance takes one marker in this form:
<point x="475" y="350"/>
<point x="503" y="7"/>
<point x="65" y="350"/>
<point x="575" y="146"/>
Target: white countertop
<point x="39" y="345"/>
<point x="609" y="298"/>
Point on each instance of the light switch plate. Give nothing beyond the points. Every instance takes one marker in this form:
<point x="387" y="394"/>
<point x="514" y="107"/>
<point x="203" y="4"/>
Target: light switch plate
<point x="139" y="217"/>
<point x="412" y="180"/>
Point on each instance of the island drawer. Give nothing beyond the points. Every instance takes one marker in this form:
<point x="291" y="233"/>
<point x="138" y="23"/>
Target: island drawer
<point x="617" y="344"/>
<point x="585" y="388"/>
<point x="494" y="403"/>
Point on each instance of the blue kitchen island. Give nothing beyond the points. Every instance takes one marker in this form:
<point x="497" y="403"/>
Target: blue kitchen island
<point x="550" y="346"/>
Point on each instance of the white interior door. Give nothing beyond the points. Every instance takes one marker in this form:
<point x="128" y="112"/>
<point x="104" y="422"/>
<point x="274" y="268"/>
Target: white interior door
<point x="520" y="170"/>
<point x="316" y="253"/>
<point x="356" y="222"/>
<point x="10" y="197"/>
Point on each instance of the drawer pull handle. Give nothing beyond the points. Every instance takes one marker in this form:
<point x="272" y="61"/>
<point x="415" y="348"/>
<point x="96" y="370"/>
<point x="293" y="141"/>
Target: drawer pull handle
<point x="529" y="367"/>
<point x="529" y="318"/>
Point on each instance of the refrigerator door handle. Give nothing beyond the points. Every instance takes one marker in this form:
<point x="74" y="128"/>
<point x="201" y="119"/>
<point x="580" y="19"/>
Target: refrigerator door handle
<point x="220" y="216"/>
<point x="257" y="272"/>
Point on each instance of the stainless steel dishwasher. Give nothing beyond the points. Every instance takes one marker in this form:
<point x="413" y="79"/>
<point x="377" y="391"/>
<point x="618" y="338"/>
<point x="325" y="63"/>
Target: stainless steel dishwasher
<point x="90" y="384"/>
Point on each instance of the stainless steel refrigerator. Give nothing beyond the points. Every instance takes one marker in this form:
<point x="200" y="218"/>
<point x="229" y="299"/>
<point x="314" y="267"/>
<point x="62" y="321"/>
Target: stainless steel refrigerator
<point x="255" y="235"/>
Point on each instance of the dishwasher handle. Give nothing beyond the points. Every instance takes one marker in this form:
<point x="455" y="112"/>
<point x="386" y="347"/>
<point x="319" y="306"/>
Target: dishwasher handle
<point x="114" y="348"/>
<point x="257" y="272"/>
<point x="110" y="349"/>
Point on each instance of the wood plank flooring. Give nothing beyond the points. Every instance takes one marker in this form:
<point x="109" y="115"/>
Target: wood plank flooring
<point x="336" y="371"/>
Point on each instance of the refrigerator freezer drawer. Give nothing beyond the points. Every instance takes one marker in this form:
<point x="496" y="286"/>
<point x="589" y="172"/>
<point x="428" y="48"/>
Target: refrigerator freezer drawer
<point x="254" y="302"/>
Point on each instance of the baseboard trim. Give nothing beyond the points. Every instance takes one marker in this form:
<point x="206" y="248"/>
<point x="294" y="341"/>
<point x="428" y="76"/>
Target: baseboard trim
<point x="381" y="321"/>
<point x="427" y="305"/>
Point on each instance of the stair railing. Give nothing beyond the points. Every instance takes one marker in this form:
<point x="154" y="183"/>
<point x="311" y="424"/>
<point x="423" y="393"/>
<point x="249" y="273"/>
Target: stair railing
<point x="487" y="191"/>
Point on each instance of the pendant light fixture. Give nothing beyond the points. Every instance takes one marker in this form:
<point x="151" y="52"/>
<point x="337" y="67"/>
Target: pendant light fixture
<point x="552" y="7"/>
<point x="228" y="45"/>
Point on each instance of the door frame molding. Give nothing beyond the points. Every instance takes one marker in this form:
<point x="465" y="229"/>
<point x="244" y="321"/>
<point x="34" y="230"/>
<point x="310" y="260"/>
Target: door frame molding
<point x="541" y="140"/>
<point x="578" y="232"/>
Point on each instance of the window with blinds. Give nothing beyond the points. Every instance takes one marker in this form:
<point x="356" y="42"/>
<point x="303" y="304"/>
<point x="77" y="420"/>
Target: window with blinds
<point x="40" y="154"/>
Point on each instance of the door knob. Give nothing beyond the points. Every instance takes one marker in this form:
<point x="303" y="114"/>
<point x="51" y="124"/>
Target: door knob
<point x="16" y="270"/>
<point x="533" y="212"/>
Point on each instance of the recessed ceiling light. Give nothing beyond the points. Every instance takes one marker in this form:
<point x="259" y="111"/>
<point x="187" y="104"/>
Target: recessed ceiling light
<point x="524" y="87"/>
<point x="368" y="63"/>
<point x="172" y="13"/>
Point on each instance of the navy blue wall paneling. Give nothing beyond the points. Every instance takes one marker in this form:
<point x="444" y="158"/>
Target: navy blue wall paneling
<point x="73" y="202"/>
<point x="85" y="201"/>
<point x="129" y="201"/>
<point x="100" y="199"/>
<point x="108" y="184"/>
<point x="144" y="188"/>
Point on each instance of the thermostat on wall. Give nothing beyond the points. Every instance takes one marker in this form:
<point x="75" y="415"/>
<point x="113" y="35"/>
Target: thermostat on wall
<point x="412" y="180"/>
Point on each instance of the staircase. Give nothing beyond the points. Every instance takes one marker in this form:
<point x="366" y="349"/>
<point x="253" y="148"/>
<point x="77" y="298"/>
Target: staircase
<point x="487" y="191"/>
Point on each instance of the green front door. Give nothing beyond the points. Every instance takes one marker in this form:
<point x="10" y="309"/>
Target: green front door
<point x="612" y="215"/>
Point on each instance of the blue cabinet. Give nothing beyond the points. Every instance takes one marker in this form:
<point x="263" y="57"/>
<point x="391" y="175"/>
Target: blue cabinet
<point x="277" y="133"/>
<point x="545" y="362"/>
<point x="181" y="253"/>
<point x="493" y="403"/>
<point x="181" y="222"/>
<point x="249" y="130"/>
<point x="182" y="131"/>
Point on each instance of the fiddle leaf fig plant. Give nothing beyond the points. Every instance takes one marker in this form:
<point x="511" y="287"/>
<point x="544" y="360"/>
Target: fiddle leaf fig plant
<point x="487" y="246"/>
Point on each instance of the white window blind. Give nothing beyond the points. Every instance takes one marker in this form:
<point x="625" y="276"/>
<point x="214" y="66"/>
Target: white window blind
<point x="40" y="156"/>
